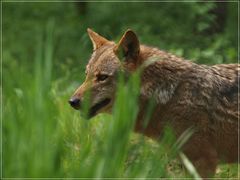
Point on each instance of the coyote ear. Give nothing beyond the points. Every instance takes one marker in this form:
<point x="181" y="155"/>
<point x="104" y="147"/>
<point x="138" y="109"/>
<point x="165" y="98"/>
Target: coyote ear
<point x="96" y="39"/>
<point x="128" y="46"/>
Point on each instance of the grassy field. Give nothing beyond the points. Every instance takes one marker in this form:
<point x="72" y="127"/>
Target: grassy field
<point x="45" y="50"/>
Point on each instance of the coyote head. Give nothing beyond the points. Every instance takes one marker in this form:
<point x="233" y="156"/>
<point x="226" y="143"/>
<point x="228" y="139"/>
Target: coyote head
<point x="106" y="61"/>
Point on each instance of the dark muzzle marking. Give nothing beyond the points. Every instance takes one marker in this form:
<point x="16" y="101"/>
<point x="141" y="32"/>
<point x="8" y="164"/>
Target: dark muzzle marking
<point x="93" y="110"/>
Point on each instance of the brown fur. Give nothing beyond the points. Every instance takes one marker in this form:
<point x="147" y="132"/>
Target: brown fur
<point x="187" y="95"/>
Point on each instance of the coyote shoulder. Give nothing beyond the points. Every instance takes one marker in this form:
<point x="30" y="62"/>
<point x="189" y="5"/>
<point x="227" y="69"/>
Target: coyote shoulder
<point x="187" y="95"/>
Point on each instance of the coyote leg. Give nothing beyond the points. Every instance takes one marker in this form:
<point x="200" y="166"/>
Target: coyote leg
<point x="203" y="156"/>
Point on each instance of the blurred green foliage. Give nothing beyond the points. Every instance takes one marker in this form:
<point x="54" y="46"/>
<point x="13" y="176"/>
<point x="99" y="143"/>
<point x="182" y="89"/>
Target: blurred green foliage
<point x="45" y="50"/>
<point x="176" y="27"/>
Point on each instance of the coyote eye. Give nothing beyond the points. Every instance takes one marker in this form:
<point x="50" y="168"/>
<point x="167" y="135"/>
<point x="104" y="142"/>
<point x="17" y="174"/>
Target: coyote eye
<point x="102" y="77"/>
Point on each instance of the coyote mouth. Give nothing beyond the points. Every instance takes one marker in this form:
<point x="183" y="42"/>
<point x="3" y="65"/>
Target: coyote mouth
<point x="93" y="110"/>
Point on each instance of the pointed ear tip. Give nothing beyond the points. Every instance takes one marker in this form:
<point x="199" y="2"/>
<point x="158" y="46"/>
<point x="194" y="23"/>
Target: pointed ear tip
<point x="89" y="30"/>
<point x="130" y="31"/>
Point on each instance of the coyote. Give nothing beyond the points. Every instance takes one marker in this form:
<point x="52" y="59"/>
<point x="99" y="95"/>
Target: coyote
<point x="187" y="95"/>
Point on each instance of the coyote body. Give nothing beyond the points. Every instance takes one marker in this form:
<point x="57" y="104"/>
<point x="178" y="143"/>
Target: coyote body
<point x="187" y="95"/>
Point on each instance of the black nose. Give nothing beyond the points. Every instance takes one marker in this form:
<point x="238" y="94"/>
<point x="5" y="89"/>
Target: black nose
<point x="75" y="103"/>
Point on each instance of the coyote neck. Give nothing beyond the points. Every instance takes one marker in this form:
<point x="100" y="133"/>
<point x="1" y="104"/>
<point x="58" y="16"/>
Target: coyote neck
<point x="166" y="72"/>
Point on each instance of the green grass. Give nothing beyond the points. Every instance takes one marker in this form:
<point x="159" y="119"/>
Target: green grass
<point x="43" y="136"/>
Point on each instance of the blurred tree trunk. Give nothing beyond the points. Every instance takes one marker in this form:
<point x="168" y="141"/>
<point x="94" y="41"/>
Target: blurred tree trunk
<point x="81" y="7"/>
<point x="220" y="12"/>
